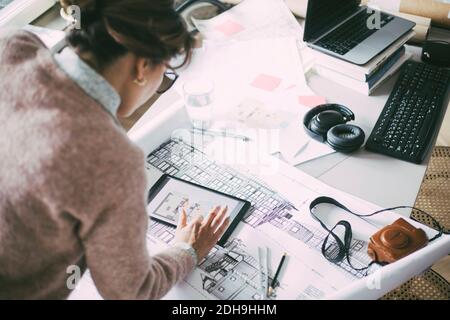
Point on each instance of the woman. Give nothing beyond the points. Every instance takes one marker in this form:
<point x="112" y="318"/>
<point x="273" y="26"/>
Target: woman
<point x="71" y="183"/>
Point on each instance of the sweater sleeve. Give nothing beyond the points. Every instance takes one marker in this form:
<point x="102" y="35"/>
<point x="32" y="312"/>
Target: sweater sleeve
<point x="115" y="242"/>
<point x="11" y="39"/>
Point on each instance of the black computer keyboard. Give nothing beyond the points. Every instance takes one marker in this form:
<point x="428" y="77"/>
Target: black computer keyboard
<point x="351" y="33"/>
<point x="409" y="120"/>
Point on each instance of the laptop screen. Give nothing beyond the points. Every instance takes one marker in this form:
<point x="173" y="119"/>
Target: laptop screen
<point x="322" y="15"/>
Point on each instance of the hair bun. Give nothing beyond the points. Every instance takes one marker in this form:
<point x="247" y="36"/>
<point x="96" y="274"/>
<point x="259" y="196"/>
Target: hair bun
<point x="85" y="5"/>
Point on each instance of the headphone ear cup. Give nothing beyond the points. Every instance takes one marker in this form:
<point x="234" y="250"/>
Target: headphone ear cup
<point x="315" y="127"/>
<point x="345" y="137"/>
<point x="323" y="121"/>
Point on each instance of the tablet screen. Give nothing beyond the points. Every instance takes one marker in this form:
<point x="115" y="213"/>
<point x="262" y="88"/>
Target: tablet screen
<point x="170" y="194"/>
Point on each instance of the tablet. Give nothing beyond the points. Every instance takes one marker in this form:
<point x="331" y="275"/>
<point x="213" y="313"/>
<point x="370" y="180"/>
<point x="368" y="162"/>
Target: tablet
<point x="169" y="194"/>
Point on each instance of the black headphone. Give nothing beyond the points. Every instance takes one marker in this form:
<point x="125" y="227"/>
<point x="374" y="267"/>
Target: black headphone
<point x="328" y="123"/>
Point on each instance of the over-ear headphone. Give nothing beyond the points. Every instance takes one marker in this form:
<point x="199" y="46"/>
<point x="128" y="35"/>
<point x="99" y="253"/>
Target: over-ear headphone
<point x="328" y="123"/>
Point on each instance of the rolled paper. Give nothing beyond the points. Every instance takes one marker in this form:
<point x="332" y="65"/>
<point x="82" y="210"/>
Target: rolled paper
<point x="438" y="11"/>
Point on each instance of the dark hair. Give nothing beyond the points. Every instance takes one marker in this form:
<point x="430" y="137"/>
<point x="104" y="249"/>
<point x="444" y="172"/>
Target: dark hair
<point x="148" y="28"/>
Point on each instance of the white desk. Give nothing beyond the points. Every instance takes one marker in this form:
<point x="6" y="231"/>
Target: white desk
<point x="376" y="178"/>
<point x="379" y="179"/>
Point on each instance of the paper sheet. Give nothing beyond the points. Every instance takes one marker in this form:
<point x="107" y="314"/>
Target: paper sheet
<point x="279" y="220"/>
<point x="250" y="20"/>
<point x="259" y="85"/>
<point x="273" y="20"/>
<point x="298" y="7"/>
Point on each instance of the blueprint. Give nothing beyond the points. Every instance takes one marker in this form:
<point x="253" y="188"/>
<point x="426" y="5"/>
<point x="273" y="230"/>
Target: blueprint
<point x="278" y="221"/>
<point x="183" y="161"/>
<point x="232" y="272"/>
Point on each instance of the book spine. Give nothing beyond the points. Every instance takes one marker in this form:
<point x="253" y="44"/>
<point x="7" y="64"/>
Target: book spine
<point x="359" y="76"/>
<point x="391" y="72"/>
<point x="343" y="80"/>
<point x="376" y="74"/>
<point x="379" y="73"/>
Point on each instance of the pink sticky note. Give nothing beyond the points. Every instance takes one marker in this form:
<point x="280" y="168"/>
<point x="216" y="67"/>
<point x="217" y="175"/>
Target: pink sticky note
<point x="291" y="87"/>
<point x="311" y="101"/>
<point x="229" y="28"/>
<point x="266" y="82"/>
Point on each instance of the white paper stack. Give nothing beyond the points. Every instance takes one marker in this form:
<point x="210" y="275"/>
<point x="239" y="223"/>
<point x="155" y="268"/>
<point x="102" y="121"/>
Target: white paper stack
<point x="252" y="53"/>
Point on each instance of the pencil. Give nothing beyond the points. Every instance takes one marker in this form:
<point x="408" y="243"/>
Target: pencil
<point x="220" y="134"/>
<point x="275" y="278"/>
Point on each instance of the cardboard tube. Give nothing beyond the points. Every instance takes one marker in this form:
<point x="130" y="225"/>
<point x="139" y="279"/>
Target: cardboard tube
<point x="422" y="26"/>
<point x="298" y="7"/>
<point x="437" y="11"/>
<point x="421" y="34"/>
<point x="423" y="21"/>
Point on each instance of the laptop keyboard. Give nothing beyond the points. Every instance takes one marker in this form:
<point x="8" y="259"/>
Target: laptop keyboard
<point x="351" y="33"/>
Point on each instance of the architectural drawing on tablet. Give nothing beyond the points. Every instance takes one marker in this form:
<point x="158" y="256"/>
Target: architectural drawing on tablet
<point x="173" y="202"/>
<point x="186" y="162"/>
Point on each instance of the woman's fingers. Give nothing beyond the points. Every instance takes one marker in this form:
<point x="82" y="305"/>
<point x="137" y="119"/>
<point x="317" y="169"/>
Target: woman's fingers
<point x="198" y="219"/>
<point x="182" y="220"/>
<point x="194" y="233"/>
<point x="212" y="215"/>
<point x="222" y="229"/>
<point x="219" y="219"/>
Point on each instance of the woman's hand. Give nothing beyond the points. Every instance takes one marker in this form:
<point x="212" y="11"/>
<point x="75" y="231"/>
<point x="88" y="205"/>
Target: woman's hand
<point x="202" y="234"/>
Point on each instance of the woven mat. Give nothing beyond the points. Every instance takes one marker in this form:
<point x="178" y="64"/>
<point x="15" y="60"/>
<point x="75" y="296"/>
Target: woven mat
<point x="434" y="194"/>
<point x="428" y="286"/>
<point x="434" y="198"/>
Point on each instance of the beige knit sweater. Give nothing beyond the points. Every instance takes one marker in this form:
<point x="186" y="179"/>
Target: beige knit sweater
<point x="71" y="188"/>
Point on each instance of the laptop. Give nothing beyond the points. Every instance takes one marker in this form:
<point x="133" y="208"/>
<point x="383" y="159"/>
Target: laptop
<point x="354" y="33"/>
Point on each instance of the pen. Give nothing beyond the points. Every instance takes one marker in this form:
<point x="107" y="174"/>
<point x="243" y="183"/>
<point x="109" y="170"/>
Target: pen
<point x="274" y="280"/>
<point x="302" y="149"/>
<point x="220" y="134"/>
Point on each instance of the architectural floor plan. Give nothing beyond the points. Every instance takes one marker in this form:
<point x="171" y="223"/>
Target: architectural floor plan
<point x="230" y="272"/>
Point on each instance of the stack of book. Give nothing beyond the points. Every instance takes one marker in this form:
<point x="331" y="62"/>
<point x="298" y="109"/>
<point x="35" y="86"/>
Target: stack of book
<point x="366" y="78"/>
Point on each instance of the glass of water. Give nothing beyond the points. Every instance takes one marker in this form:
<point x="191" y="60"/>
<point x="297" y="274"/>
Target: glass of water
<point x="199" y="100"/>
